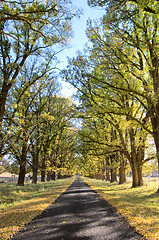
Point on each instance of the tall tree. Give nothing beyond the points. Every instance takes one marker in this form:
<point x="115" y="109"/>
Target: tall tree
<point x="24" y="132"/>
<point x="136" y="23"/>
<point x="28" y="29"/>
<point x="102" y="91"/>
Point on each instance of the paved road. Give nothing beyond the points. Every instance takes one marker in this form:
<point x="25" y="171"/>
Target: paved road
<point x="79" y="213"/>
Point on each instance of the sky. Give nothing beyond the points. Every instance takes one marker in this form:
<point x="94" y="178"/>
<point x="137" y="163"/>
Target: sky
<point x="79" y="38"/>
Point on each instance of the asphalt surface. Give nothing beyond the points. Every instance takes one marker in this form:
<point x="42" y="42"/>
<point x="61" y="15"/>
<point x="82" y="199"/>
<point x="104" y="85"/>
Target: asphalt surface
<point x="79" y="213"/>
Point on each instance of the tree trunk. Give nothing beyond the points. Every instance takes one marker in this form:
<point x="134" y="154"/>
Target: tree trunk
<point x="48" y="176"/>
<point x="113" y="175"/>
<point x="156" y="139"/>
<point x="135" y="177"/>
<point x="35" y="174"/>
<point x="42" y="175"/>
<point x="122" y="175"/>
<point x="152" y="110"/>
<point x="157" y="150"/>
<point x="107" y="175"/>
<point x="103" y="177"/>
<point x="3" y="98"/>
<point x="135" y="159"/>
<point x="141" y="182"/>
<point x="53" y="175"/>
<point x="21" y="177"/>
<point x="35" y="166"/>
<point x="152" y="114"/>
<point x="22" y="171"/>
<point x="59" y="175"/>
<point x="43" y="171"/>
<point x="22" y="163"/>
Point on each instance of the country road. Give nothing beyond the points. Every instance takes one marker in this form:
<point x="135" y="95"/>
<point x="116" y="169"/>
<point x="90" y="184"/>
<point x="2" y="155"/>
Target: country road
<point x="79" y="213"/>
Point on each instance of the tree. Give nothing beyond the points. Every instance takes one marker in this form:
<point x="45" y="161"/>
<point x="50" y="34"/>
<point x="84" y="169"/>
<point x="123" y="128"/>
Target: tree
<point x="125" y="57"/>
<point x="29" y="29"/>
<point x="58" y="140"/>
<point x="4" y="166"/>
<point x="94" y="143"/>
<point x="100" y="88"/>
<point x="147" y="6"/>
<point x="43" y="134"/>
<point x="22" y="130"/>
<point x="24" y="138"/>
<point x="136" y="24"/>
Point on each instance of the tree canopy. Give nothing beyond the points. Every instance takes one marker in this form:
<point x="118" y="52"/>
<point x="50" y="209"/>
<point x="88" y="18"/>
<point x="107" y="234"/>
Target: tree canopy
<point x="116" y="122"/>
<point x="117" y="77"/>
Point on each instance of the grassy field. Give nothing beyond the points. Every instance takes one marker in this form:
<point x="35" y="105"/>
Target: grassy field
<point x="19" y="205"/>
<point x="140" y="205"/>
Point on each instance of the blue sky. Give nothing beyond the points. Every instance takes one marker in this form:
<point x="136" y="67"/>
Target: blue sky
<point x="79" y="38"/>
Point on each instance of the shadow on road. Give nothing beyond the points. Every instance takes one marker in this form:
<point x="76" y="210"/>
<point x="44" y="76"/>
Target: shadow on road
<point x="79" y="213"/>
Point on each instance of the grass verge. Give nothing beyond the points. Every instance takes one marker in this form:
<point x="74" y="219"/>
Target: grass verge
<point x="19" y="205"/>
<point x="140" y="206"/>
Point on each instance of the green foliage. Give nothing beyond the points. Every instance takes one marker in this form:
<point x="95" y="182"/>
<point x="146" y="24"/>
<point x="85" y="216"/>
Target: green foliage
<point x="143" y="5"/>
<point x="150" y="168"/>
<point x="29" y="32"/>
<point x="2" y="169"/>
<point x="4" y="166"/>
<point x="117" y="81"/>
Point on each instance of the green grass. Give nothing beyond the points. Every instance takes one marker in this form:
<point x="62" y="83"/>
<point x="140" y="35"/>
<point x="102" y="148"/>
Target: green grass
<point x="140" y="206"/>
<point x="19" y="205"/>
<point x="11" y="194"/>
